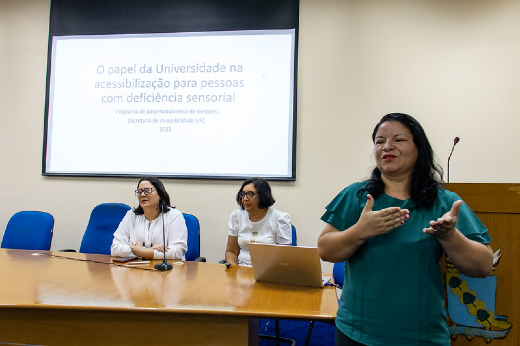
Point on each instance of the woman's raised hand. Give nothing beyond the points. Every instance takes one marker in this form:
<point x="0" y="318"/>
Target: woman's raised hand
<point x="445" y="225"/>
<point x="381" y="221"/>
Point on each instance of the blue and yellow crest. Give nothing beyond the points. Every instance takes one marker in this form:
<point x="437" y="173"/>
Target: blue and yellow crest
<point x="471" y="305"/>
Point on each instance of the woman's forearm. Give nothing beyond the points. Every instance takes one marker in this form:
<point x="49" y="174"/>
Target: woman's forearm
<point x="469" y="257"/>
<point x="231" y="257"/>
<point x="335" y="246"/>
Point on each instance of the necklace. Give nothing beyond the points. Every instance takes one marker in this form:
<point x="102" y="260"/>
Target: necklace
<point x="258" y="218"/>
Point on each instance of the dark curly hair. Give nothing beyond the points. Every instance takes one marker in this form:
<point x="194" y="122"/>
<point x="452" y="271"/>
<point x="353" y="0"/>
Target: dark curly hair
<point x="427" y="174"/>
<point x="262" y="189"/>
<point x="164" y="201"/>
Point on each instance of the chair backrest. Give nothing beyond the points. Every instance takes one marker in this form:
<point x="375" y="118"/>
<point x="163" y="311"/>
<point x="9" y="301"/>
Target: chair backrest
<point x="338" y="273"/>
<point x="29" y="230"/>
<point x="294" y="237"/>
<point x="193" y="226"/>
<point x="103" y="222"/>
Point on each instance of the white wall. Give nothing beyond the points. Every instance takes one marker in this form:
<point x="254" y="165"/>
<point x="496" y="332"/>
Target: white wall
<point x="452" y="64"/>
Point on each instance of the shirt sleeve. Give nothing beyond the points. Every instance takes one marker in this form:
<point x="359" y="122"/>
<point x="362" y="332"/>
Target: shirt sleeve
<point x="121" y="243"/>
<point x="284" y="229"/>
<point x="176" y="235"/>
<point x="470" y="225"/>
<point x="234" y="223"/>
<point x="345" y="209"/>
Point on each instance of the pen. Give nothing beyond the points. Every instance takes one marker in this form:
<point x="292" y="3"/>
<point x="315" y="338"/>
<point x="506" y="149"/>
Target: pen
<point x="331" y="284"/>
<point x="138" y="262"/>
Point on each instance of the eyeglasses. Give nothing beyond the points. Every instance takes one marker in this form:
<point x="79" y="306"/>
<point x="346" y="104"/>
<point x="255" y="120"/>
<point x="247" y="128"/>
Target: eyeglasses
<point x="146" y="191"/>
<point x="248" y="194"/>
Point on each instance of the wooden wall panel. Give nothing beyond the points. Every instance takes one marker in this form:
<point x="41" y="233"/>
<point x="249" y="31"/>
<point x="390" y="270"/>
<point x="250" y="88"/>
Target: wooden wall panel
<point x="498" y="207"/>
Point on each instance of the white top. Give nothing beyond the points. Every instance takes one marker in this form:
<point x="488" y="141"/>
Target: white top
<point x="274" y="228"/>
<point x="135" y="228"/>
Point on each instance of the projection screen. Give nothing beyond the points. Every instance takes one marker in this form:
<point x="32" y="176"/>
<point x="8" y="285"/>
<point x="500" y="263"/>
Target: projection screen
<point x="169" y="100"/>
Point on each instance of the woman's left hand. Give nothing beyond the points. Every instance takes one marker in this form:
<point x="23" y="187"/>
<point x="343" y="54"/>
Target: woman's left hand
<point x="160" y="248"/>
<point x="445" y="225"/>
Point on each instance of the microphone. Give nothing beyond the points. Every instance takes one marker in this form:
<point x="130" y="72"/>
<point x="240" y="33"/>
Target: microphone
<point x="455" y="141"/>
<point x="164" y="266"/>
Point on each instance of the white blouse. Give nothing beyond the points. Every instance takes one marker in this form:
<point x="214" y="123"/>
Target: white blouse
<point x="274" y="228"/>
<point x="135" y="228"/>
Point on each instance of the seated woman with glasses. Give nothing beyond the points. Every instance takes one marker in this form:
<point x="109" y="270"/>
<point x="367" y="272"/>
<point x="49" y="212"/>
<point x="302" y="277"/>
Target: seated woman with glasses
<point x="255" y="222"/>
<point x="140" y="233"/>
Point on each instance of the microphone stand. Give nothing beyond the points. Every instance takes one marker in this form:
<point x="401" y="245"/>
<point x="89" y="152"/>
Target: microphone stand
<point x="164" y="266"/>
<point x="455" y="141"/>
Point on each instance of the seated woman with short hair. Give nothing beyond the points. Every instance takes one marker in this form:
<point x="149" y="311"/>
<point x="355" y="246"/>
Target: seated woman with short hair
<point x="255" y="222"/>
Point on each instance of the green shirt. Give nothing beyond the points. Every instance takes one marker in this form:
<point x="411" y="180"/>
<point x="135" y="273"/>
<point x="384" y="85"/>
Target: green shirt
<point x="394" y="291"/>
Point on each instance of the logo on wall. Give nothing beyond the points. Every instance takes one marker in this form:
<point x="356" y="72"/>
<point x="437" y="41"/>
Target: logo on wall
<point x="471" y="305"/>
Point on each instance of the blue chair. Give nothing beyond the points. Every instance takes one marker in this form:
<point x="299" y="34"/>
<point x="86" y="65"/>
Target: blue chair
<point x="103" y="222"/>
<point x="29" y="230"/>
<point x="193" y="226"/>
<point x="338" y="274"/>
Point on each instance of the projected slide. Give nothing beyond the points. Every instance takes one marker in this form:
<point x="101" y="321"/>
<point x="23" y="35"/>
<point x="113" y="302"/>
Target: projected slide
<point x="210" y="104"/>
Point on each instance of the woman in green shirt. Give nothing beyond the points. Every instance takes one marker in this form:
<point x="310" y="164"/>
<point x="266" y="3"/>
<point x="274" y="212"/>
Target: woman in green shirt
<point x="392" y="230"/>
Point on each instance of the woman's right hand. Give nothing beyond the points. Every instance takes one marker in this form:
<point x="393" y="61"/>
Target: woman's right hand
<point x="335" y="246"/>
<point x="374" y="223"/>
<point x="140" y="251"/>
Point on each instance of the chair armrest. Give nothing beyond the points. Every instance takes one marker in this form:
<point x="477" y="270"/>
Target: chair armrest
<point x="200" y="259"/>
<point x="67" y="250"/>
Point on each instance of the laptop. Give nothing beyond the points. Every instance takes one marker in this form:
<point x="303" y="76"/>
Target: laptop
<point x="285" y="264"/>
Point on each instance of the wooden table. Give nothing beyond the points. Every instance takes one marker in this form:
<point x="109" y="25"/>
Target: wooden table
<point x="82" y="300"/>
